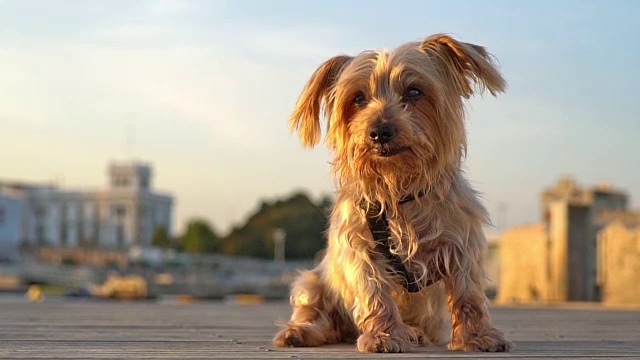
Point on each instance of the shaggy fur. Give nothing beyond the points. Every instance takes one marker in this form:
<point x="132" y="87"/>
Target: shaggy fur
<point x="396" y="128"/>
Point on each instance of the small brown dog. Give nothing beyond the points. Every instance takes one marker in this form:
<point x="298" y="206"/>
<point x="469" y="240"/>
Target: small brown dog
<point x="404" y="264"/>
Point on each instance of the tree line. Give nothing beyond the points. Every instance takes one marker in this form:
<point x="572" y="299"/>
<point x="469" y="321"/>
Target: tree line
<point x="303" y="221"/>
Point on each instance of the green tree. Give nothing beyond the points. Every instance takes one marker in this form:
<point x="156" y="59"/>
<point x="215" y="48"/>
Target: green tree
<point x="199" y="237"/>
<point x="303" y="221"/>
<point x="161" y="238"/>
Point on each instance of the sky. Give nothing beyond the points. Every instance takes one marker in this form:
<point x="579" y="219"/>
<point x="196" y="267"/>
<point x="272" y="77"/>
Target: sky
<point x="202" y="91"/>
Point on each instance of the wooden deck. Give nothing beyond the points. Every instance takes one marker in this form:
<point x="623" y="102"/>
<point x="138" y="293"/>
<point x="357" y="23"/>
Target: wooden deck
<point x="76" y="329"/>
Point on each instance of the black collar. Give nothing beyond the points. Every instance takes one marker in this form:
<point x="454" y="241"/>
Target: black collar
<point x="379" y="226"/>
<point x="410" y="197"/>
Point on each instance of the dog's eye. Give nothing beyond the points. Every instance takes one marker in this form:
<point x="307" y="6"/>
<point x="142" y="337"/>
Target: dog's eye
<point x="359" y="99"/>
<point x="412" y="94"/>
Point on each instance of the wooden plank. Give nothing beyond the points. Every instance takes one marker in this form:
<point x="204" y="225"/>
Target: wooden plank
<point x="80" y="329"/>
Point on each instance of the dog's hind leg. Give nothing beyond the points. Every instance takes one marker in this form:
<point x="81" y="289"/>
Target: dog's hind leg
<point x="312" y="323"/>
<point x="426" y="311"/>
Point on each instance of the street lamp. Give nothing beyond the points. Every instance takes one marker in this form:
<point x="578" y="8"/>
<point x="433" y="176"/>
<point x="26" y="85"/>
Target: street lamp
<point x="278" y="249"/>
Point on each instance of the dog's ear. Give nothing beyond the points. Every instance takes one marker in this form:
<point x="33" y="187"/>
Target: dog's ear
<point x="306" y="114"/>
<point x="467" y="64"/>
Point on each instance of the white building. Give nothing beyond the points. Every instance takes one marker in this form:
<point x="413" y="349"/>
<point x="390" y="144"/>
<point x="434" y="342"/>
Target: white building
<point x="10" y="213"/>
<point x="126" y="213"/>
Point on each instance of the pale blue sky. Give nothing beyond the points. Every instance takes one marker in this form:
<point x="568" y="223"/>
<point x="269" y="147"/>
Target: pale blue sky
<point x="207" y="87"/>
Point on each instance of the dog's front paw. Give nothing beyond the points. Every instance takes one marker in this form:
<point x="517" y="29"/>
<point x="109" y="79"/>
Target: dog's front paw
<point x="299" y="336"/>
<point x="397" y="341"/>
<point x="492" y="340"/>
<point x="382" y="343"/>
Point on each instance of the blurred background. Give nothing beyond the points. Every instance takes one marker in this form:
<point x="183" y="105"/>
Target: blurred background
<point x="145" y="151"/>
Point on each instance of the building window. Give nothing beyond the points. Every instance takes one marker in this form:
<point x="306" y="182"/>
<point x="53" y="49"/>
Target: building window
<point x="40" y="234"/>
<point x="95" y="226"/>
<point x="119" y="211"/>
<point x="120" y="235"/>
<point x="81" y="235"/>
<point x="121" y="181"/>
<point x="40" y="213"/>
<point x="63" y="224"/>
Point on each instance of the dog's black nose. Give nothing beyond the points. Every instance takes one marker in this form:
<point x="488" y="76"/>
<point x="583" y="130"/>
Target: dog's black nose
<point x="382" y="133"/>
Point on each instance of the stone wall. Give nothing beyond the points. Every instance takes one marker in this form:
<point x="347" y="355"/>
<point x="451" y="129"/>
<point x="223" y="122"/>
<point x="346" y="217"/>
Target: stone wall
<point x="619" y="264"/>
<point x="523" y="264"/>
